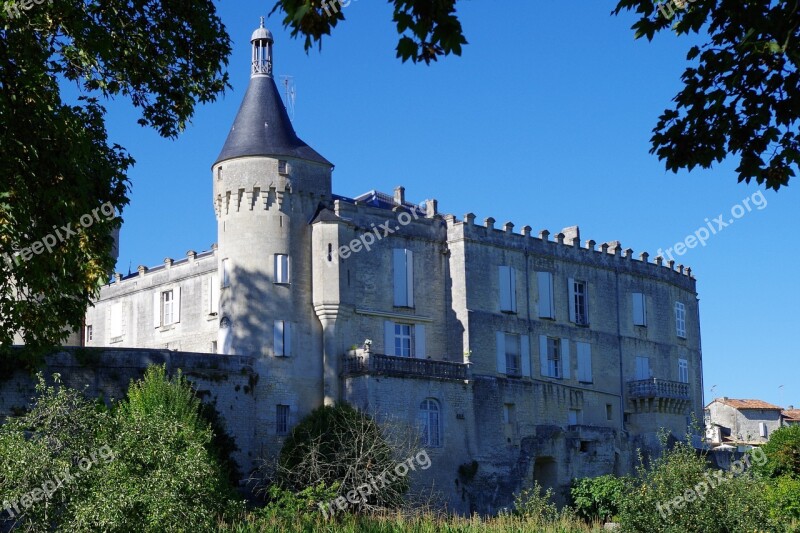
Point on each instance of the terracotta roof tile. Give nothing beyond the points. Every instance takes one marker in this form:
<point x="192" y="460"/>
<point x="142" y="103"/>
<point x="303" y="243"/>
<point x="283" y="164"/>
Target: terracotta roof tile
<point x="747" y="404"/>
<point x="792" y="414"/>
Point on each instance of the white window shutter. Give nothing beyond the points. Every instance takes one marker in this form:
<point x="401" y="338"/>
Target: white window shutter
<point x="410" y="278"/>
<point x="419" y="341"/>
<point x="278" y="346"/>
<point x="287" y="338"/>
<point x="123" y="318"/>
<point x="400" y="277"/>
<point x="157" y="309"/>
<point x="505" y="290"/>
<point x="584" y="361"/>
<point x="176" y="305"/>
<point x="571" y="287"/>
<point x="545" y="280"/>
<point x="543" y="367"/>
<point x="224" y="340"/>
<point x="565" y="358"/>
<point x="501" y="351"/>
<point x="214" y="293"/>
<point x="512" y="276"/>
<point x="525" y="354"/>
<point x="388" y="337"/>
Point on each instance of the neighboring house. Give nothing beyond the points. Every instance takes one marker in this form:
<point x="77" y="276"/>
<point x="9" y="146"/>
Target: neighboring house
<point x="791" y="416"/>
<point x="741" y="422"/>
<point x="539" y="358"/>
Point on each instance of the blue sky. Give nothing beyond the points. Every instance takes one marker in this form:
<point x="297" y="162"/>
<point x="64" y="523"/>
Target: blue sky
<point x="545" y="120"/>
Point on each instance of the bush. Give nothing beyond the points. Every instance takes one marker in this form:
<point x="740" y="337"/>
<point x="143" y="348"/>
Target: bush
<point x="165" y="472"/>
<point x="339" y="446"/>
<point x="679" y="493"/>
<point x="536" y="504"/>
<point x="783" y="495"/>
<point x="147" y="466"/>
<point x="598" y="498"/>
<point x="783" y="453"/>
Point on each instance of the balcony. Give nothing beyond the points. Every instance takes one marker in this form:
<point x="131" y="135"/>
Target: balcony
<point x="389" y="365"/>
<point x="658" y="395"/>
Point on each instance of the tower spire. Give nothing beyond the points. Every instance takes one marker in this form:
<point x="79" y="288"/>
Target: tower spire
<point x="262" y="51"/>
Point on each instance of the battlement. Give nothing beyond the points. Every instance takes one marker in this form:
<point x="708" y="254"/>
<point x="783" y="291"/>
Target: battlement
<point x="264" y="199"/>
<point x="567" y="243"/>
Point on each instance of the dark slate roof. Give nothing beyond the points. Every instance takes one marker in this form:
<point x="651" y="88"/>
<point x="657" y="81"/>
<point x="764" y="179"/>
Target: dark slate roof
<point x="262" y="127"/>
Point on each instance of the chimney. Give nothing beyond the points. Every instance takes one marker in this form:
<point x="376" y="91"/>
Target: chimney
<point x="399" y="195"/>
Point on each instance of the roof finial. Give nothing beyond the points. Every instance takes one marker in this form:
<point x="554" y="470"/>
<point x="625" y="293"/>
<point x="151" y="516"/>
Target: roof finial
<point x="262" y="51"/>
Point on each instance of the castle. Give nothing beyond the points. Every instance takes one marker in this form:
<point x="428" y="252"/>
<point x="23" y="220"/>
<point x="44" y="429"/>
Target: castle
<point x="523" y="356"/>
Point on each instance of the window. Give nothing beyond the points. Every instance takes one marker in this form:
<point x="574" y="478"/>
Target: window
<point x="683" y="370"/>
<point x="554" y="357"/>
<point x="578" y="302"/>
<point x="219" y="173"/>
<point x="513" y="354"/>
<point x="167" y="308"/>
<point x="639" y="309"/>
<point x="283" y="338"/>
<point x="226" y="273"/>
<point x="282" y="419"/>
<point x="762" y="429"/>
<point x="574" y="417"/>
<point x="281" y="268"/>
<point x="283" y="167"/>
<point x="404" y="340"/>
<point x="546" y="303"/>
<point x="609" y="412"/>
<point x="403" y="261"/>
<point x="213" y="347"/>
<point x="508" y="289"/>
<point x="89" y="333"/>
<point x="642" y="368"/>
<point x="513" y="367"/>
<point x="429" y="423"/>
<point x="680" y="319"/>
<point x="584" y="350"/>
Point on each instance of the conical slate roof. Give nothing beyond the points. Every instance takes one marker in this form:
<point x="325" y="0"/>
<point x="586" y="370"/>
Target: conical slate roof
<point x="262" y="127"/>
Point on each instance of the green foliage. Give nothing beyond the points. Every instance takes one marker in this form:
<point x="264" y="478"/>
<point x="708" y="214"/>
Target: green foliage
<point x="157" y="469"/>
<point x="427" y="28"/>
<point x="740" y="92"/>
<point x="598" y="498"/>
<point x="339" y="446"/>
<point x="286" y="505"/>
<point x="536" y="505"/>
<point x="42" y="448"/>
<point x="166" y="57"/>
<point x="783" y="453"/>
<point x="783" y="496"/>
<point x="727" y="503"/>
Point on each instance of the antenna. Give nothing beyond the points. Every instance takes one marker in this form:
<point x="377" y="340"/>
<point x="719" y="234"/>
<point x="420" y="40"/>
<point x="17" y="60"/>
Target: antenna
<point x="289" y="94"/>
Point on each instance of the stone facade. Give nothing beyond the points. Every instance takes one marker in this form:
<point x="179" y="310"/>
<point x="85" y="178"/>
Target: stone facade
<point x="515" y="357"/>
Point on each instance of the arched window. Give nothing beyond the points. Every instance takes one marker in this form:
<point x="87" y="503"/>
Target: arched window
<point x="430" y="423"/>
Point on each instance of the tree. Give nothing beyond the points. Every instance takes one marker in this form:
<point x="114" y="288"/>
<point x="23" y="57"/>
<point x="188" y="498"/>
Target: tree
<point x="741" y="94"/>
<point x="147" y="464"/>
<point x="782" y="452"/>
<point x="344" y="449"/>
<point x="64" y="187"/>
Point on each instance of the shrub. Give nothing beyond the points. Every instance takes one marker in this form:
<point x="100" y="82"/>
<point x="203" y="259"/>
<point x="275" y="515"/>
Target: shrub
<point x="339" y="446"/>
<point x="598" y="498"/>
<point x="783" y="453"/>
<point x="536" y="504"/>
<point x="679" y="493"/>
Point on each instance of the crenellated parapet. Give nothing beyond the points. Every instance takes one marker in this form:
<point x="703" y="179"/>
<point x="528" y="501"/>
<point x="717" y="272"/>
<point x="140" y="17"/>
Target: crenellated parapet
<point x="567" y="244"/>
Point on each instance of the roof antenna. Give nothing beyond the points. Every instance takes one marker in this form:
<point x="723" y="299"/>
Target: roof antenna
<point x="289" y="93"/>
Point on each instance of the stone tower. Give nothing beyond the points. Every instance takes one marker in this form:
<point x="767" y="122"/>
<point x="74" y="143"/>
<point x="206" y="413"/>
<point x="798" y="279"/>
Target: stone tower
<point x="268" y="184"/>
